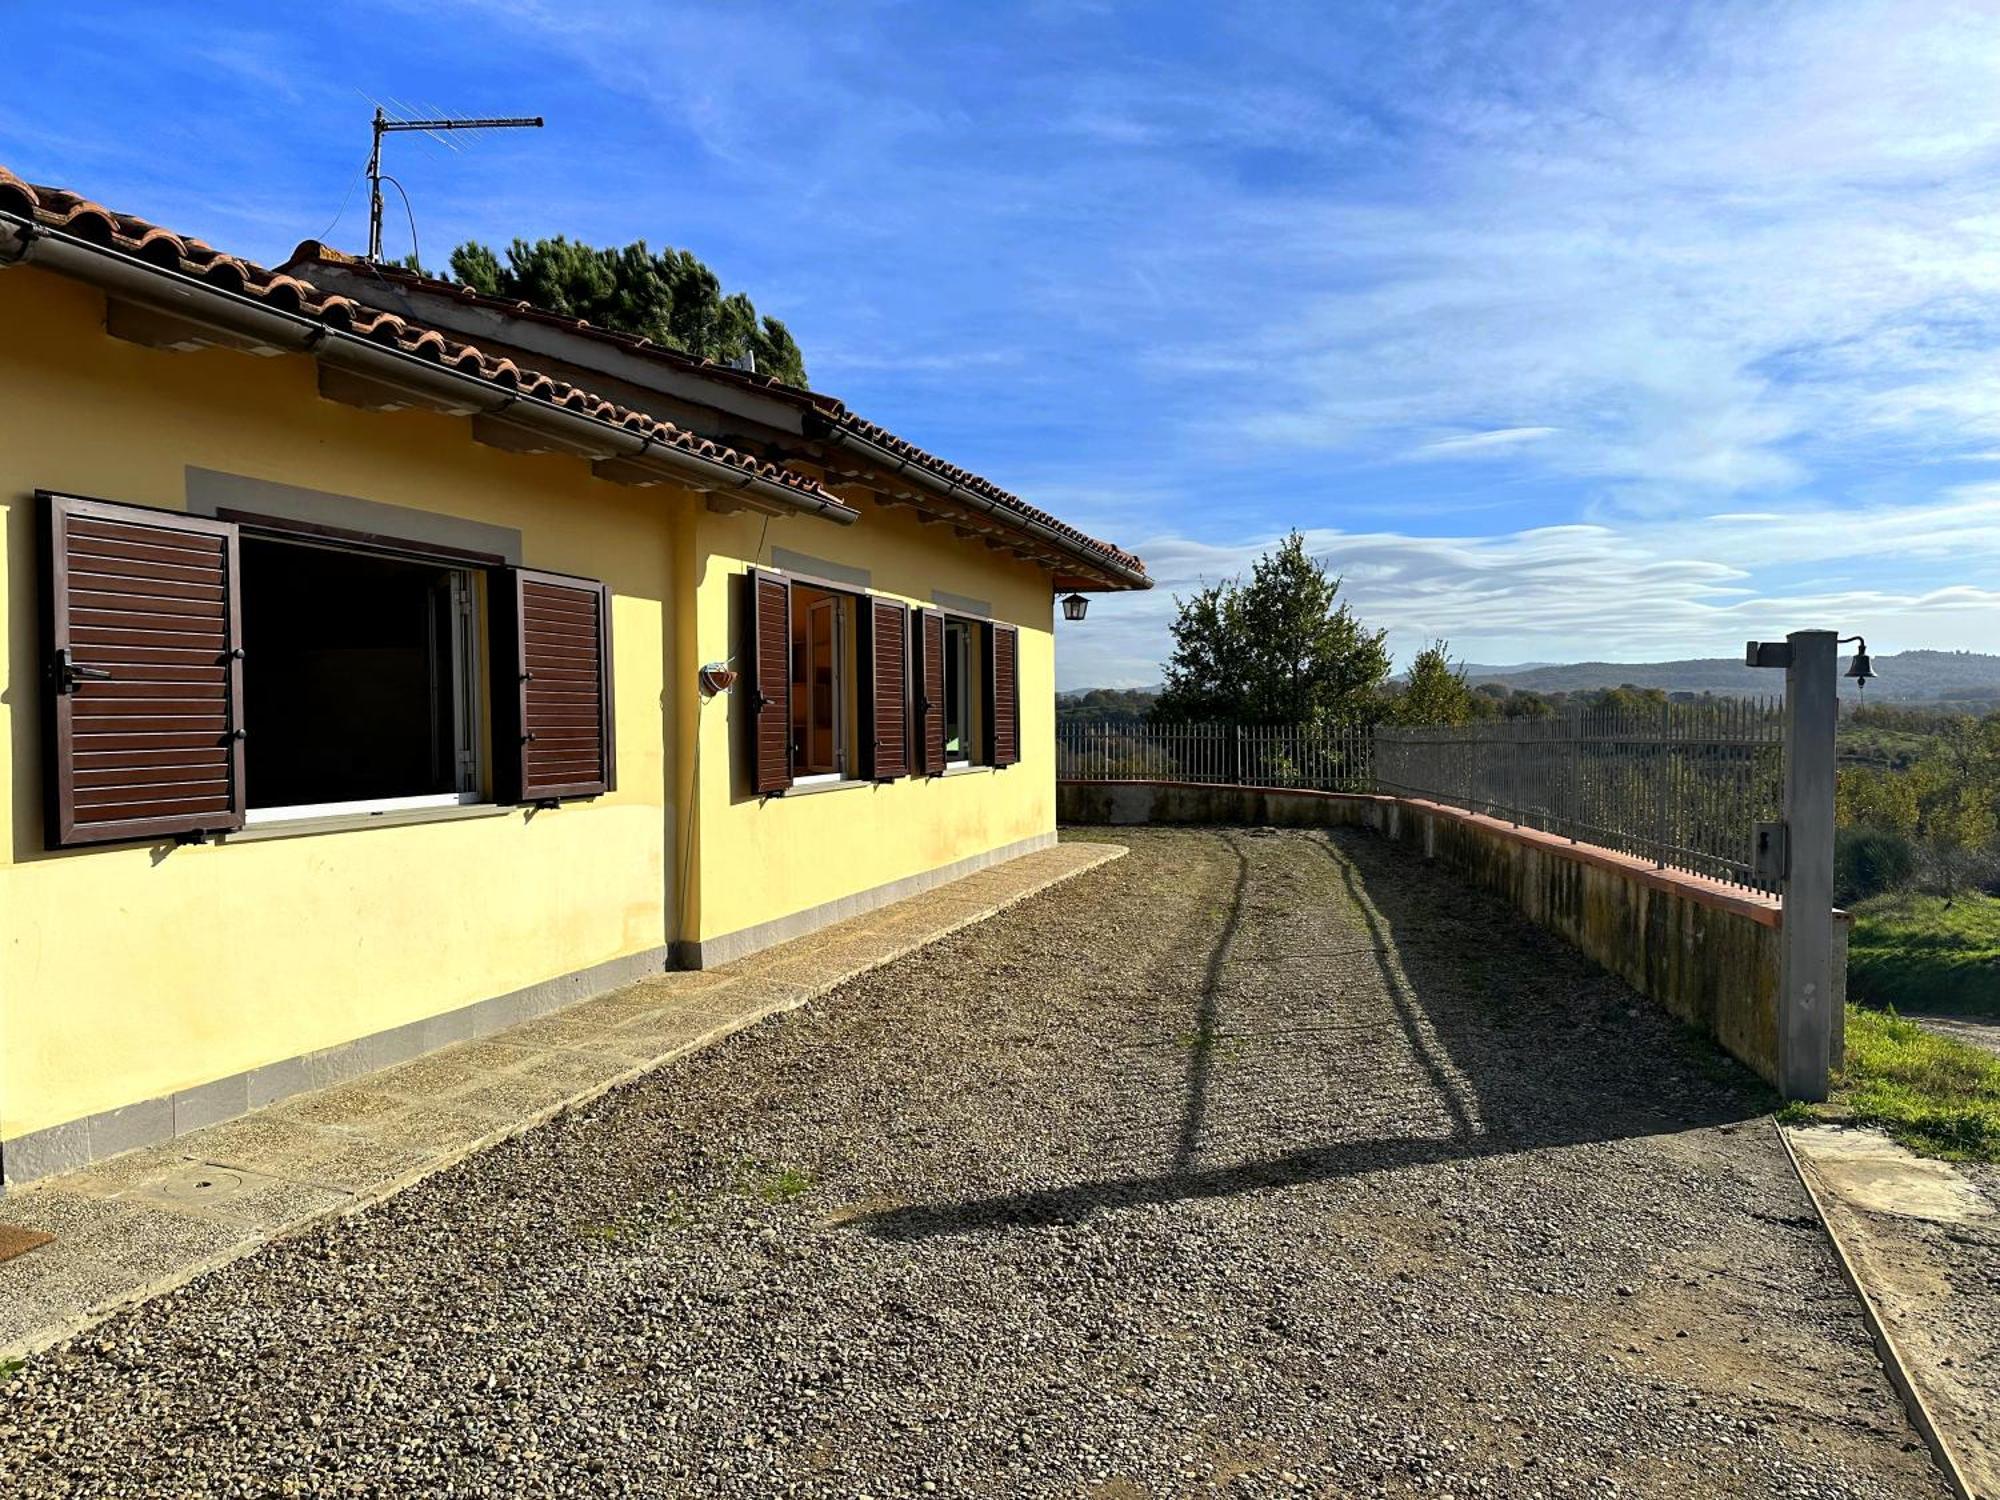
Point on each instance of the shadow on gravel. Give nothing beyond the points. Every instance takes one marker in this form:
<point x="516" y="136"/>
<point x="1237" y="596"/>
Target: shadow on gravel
<point x="1525" y="1044"/>
<point x="1201" y="1056"/>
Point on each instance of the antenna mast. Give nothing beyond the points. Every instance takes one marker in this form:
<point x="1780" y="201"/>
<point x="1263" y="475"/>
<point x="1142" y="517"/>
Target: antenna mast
<point x="387" y="124"/>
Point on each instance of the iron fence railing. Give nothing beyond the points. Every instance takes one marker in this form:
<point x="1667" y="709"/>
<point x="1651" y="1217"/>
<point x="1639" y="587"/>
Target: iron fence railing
<point x="1681" y="784"/>
<point x="1331" y="759"/>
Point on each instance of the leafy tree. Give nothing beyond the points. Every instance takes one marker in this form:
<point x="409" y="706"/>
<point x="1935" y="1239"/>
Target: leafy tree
<point x="1279" y="649"/>
<point x="1524" y="703"/>
<point x="1435" y="692"/>
<point x="668" y="296"/>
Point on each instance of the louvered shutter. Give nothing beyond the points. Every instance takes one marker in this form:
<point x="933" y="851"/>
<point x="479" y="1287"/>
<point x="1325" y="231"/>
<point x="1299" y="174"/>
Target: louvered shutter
<point x="888" y="716"/>
<point x="768" y="613"/>
<point x="552" y="708"/>
<point x="930" y="693"/>
<point x="143" y="681"/>
<point x="1003" y="695"/>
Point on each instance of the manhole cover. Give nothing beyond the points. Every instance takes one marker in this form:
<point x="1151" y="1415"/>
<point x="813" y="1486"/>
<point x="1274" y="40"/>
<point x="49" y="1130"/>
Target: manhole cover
<point x="202" y="1184"/>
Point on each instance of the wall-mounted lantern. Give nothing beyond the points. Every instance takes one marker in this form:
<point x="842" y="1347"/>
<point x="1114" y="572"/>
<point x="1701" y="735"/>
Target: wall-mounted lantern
<point x="1075" y="606"/>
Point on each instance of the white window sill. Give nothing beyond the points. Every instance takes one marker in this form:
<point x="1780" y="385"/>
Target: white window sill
<point x="318" y="812"/>
<point x="966" y="768"/>
<point x="830" y="784"/>
<point x="346" y="822"/>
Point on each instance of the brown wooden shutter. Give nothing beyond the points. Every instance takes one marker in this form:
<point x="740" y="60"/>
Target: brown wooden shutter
<point x="888" y="716"/>
<point x="768" y="616"/>
<point x="1003" y="695"/>
<point x="552" y="707"/>
<point x="930" y="693"/>
<point x="143" y="681"/>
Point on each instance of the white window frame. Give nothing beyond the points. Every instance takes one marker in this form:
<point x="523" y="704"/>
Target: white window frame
<point x="844" y="602"/>
<point x="963" y="630"/>
<point x="468" y="770"/>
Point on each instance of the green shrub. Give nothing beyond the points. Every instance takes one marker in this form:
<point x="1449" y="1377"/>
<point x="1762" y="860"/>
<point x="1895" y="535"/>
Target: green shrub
<point x="1869" y="861"/>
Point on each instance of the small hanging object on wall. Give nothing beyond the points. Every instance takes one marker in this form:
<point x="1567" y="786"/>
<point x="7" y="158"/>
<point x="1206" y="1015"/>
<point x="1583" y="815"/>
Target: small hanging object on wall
<point x="1075" y="606"/>
<point x="716" y="678"/>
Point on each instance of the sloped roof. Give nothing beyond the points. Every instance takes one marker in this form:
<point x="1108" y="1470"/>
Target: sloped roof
<point x="829" y="410"/>
<point x="71" y="213"/>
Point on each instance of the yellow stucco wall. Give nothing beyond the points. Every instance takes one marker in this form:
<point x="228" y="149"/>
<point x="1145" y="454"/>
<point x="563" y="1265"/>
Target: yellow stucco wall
<point x="128" y="972"/>
<point x="761" y="859"/>
<point x="131" y="971"/>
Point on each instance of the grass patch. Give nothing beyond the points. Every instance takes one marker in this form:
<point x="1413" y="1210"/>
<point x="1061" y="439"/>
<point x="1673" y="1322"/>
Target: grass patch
<point x="9" y="1368"/>
<point x="786" y="1184"/>
<point x="773" y="1183"/>
<point x="638" y="1223"/>
<point x="1919" y="954"/>
<point x="1935" y="1095"/>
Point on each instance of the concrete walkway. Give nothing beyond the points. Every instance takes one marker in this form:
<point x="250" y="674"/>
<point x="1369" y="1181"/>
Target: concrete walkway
<point x="139" y="1224"/>
<point x="1923" y="1238"/>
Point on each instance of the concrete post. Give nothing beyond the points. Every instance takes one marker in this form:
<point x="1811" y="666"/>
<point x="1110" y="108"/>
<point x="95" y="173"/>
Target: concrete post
<point x="1806" y="993"/>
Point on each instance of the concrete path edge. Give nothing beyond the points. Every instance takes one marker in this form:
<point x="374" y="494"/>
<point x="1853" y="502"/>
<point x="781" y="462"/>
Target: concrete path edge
<point x="1893" y="1363"/>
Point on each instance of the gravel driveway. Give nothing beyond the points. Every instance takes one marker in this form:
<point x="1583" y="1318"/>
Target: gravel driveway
<point x="1262" y="1163"/>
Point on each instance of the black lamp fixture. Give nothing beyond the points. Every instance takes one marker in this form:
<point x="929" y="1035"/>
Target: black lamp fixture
<point x="1074" y="606"/>
<point x="1861" y="669"/>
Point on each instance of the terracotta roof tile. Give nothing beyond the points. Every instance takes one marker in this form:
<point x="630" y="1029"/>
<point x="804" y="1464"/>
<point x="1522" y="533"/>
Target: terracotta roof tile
<point x="828" y="408"/>
<point x="60" y="209"/>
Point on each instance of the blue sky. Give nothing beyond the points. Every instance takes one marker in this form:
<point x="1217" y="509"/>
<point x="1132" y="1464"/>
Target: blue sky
<point x="1564" y="331"/>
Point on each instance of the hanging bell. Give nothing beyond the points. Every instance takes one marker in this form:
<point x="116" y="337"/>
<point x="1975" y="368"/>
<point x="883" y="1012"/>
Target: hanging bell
<point x="1861" y="669"/>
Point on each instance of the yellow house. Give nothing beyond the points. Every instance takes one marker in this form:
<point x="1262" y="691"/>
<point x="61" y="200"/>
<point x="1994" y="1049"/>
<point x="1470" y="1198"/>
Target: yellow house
<point x="386" y="664"/>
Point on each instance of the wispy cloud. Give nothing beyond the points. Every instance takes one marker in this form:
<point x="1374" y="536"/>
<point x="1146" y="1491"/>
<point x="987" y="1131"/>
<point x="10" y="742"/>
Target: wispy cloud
<point x="1474" y="443"/>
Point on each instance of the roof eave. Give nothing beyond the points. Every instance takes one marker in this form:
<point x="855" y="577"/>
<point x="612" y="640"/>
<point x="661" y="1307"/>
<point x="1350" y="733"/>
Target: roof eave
<point x="1110" y="574"/>
<point x="242" y="317"/>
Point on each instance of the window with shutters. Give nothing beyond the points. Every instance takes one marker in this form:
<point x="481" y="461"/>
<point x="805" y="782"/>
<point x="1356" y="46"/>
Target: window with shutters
<point x="360" y="681"/>
<point x="204" y="672"/>
<point x="831" y="691"/>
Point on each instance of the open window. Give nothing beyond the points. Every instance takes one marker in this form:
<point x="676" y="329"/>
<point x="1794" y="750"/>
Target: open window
<point x="822" y="684"/>
<point x="961" y="702"/>
<point x="360" y="680"/>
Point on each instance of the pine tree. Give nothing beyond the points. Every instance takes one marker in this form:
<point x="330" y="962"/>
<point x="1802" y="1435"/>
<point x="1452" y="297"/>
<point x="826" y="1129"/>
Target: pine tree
<point x="668" y="296"/>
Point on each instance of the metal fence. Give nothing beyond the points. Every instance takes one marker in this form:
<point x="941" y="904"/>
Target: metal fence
<point x="1683" y="784"/>
<point x="1336" y="759"/>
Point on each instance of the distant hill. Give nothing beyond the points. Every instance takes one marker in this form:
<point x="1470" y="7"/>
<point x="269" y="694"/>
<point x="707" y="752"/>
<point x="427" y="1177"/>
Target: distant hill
<point x="1105" y="705"/>
<point x="1967" y="677"/>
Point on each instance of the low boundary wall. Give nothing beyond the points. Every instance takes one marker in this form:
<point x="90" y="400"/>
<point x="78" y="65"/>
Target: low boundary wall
<point x="1707" y="951"/>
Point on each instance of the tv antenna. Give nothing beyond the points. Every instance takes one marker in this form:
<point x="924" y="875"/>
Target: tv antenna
<point x="388" y="124"/>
